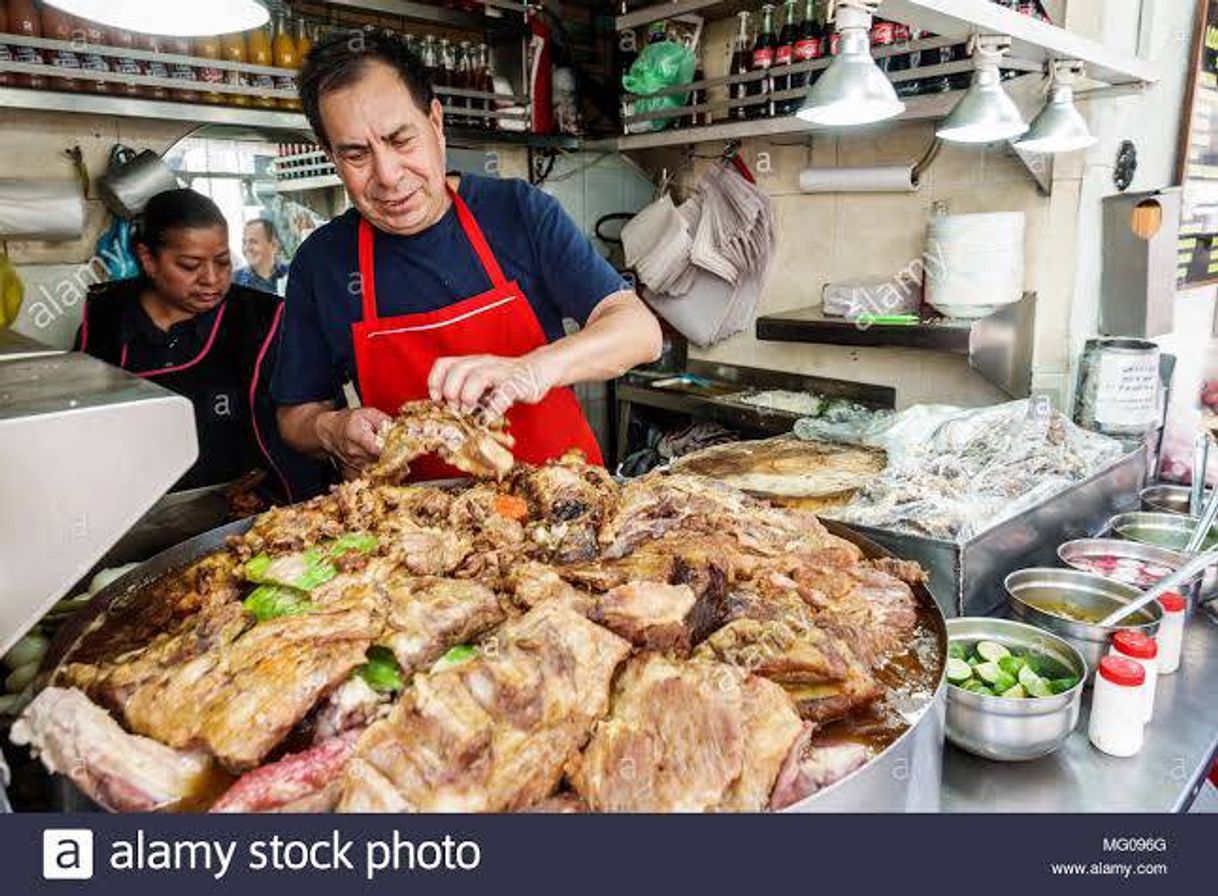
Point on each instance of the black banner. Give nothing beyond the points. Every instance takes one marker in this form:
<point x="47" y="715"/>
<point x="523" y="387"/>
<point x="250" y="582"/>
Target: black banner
<point x="626" y="855"/>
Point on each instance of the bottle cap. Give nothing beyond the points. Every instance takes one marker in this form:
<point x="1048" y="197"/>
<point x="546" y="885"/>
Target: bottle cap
<point x="1122" y="672"/>
<point x="1172" y="602"/>
<point x="1138" y="645"/>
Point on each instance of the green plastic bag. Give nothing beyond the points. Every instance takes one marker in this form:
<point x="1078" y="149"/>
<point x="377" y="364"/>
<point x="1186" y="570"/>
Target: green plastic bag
<point x="660" y="65"/>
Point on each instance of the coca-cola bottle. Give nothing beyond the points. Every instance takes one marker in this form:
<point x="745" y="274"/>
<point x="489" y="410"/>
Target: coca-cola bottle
<point x="742" y="60"/>
<point x="763" y="60"/>
<point x="810" y="44"/>
<point x="127" y="65"/>
<point x="94" y="36"/>
<point x="785" y="55"/>
<point x="155" y="68"/>
<point x="883" y="35"/>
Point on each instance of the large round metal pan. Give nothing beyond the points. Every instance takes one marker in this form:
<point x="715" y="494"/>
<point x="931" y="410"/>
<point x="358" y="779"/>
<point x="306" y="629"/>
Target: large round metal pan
<point x="903" y="778"/>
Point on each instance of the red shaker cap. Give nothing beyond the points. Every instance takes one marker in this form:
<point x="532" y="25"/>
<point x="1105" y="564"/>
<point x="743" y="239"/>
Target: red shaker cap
<point x="1121" y="671"/>
<point x="1172" y="602"/>
<point x="1136" y="644"/>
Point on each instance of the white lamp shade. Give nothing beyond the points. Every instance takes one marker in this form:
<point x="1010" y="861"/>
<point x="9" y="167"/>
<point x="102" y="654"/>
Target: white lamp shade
<point x="1059" y="127"/>
<point x="852" y="90"/>
<point x="170" y="18"/>
<point x="985" y="114"/>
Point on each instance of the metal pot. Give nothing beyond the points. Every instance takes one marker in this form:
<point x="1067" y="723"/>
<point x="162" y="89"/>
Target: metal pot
<point x="904" y="777"/>
<point x="133" y="179"/>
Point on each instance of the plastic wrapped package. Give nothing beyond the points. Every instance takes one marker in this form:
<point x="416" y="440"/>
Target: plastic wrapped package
<point x="954" y="473"/>
<point x="660" y="65"/>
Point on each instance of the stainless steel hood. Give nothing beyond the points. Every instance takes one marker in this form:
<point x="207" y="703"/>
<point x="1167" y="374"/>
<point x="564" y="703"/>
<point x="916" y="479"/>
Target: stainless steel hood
<point x="85" y="450"/>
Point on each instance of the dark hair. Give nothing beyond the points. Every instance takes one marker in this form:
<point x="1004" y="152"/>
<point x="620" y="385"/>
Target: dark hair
<point x="268" y="229"/>
<point x="338" y="60"/>
<point x="176" y="210"/>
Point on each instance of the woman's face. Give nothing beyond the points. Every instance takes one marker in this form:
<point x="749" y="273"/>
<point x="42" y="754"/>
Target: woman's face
<point x="193" y="270"/>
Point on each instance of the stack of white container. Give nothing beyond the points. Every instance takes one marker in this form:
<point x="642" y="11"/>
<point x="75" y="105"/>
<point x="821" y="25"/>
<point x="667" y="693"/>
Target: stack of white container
<point x="974" y="263"/>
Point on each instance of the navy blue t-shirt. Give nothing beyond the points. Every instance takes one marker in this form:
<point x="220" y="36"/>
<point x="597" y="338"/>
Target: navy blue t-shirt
<point x="536" y="245"/>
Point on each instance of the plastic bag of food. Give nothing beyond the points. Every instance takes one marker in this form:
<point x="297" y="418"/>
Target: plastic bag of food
<point x="660" y="65"/>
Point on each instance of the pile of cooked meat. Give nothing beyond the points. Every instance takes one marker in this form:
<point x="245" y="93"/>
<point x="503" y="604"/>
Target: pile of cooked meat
<point x="542" y="641"/>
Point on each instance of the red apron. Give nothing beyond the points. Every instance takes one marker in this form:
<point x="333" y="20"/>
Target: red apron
<point x="394" y="355"/>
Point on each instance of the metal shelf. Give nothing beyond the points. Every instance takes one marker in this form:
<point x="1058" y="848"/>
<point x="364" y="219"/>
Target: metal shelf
<point x="1031" y="39"/>
<point x="507" y="20"/>
<point x="999" y="347"/>
<point x="200" y="113"/>
<point x="811" y="325"/>
<point x="917" y="108"/>
<point x="301" y="184"/>
<point x="132" y="107"/>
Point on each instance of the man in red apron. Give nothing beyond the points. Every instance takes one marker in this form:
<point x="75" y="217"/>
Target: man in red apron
<point x="433" y="285"/>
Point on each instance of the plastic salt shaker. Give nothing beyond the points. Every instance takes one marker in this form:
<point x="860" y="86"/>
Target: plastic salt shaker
<point x="1143" y="650"/>
<point x="1171" y="632"/>
<point x="1116" y="707"/>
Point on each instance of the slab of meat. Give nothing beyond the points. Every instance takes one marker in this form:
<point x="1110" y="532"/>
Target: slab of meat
<point x="425" y="427"/>
<point x="365" y="505"/>
<point x="531" y="583"/>
<point x="294" y="528"/>
<point x="877" y="618"/>
<point x="112" y="681"/>
<point x="352" y="705"/>
<point x="817" y="669"/>
<point x="567" y="500"/>
<point x="810" y="768"/>
<point x="492" y="734"/>
<point x="120" y="771"/>
<point x="657" y="504"/>
<point x="300" y="782"/>
<point x="656" y="616"/>
<point x="679" y="737"/>
<point x="240" y="701"/>
<point x="427" y="616"/>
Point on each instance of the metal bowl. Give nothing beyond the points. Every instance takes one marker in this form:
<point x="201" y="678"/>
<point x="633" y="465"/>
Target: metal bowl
<point x="1072" y="552"/>
<point x="1166" y="530"/>
<point x="1167" y="499"/>
<point x="1005" y="728"/>
<point x="1087" y="592"/>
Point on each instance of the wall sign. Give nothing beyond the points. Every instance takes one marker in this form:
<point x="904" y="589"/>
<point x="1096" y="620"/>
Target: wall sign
<point x="1197" y="168"/>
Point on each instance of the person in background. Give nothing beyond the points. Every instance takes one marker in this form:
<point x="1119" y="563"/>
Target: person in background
<point x="260" y="244"/>
<point x="184" y="325"/>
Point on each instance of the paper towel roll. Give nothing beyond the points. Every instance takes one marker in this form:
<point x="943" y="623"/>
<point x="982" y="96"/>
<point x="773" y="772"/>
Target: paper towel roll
<point x="41" y="209"/>
<point x="879" y="179"/>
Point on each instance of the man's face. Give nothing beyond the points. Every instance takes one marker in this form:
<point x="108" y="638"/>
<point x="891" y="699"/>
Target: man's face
<point x="258" y="250"/>
<point x="388" y="153"/>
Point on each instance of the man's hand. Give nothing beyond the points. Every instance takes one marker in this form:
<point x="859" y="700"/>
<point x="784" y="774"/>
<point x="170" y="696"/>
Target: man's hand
<point x="487" y="382"/>
<point x="349" y="436"/>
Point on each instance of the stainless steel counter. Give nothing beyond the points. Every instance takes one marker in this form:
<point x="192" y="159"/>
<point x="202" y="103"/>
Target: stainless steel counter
<point x="1180" y="747"/>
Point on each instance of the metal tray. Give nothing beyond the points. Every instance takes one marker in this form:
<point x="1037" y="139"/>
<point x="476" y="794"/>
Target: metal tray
<point x="966" y="577"/>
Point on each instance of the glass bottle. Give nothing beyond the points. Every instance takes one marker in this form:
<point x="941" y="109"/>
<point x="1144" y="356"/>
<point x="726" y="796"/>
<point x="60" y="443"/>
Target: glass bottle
<point x="127" y="65"/>
<point x="283" y="52"/>
<point x="431" y="59"/>
<point x="58" y="25"/>
<point x="785" y="55"/>
<point x="94" y="35"/>
<point x="763" y="60"/>
<point x="258" y="52"/>
<point x="189" y="75"/>
<point x="445" y="72"/>
<point x="154" y="68"/>
<point x="486" y="83"/>
<point x="304" y="42"/>
<point x="742" y="58"/>
<point x="810" y="44"/>
<point x="464" y="79"/>
<point x="233" y="49"/>
<point x="6" y="52"/>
